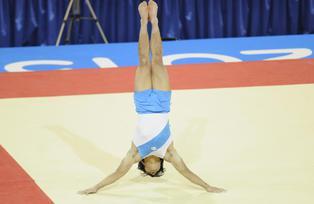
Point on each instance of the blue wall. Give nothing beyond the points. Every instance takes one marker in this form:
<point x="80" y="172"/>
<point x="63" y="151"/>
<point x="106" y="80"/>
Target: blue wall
<point x="37" y="22"/>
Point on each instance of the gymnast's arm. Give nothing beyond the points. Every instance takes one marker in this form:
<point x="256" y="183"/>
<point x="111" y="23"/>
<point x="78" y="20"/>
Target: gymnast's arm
<point x="131" y="158"/>
<point x="174" y="158"/>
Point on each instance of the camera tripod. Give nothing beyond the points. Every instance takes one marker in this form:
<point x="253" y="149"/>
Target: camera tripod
<point x="75" y="9"/>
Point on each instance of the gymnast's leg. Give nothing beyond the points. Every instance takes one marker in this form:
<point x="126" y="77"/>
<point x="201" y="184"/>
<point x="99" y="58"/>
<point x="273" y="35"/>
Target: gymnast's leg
<point x="160" y="78"/>
<point x="143" y="80"/>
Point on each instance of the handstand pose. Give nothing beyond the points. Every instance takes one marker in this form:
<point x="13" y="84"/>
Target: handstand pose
<point x="152" y="142"/>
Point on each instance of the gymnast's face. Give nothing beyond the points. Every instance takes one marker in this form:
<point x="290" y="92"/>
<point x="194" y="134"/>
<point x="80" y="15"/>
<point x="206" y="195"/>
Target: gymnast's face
<point x="152" y="164"/>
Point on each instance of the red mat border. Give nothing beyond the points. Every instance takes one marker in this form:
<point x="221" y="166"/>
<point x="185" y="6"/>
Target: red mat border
<point x="16" y="186"/>
<point x="192" y="76"/>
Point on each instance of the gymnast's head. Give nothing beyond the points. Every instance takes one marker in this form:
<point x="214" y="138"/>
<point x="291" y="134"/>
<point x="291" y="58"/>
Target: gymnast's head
<point x="152" y="166"/>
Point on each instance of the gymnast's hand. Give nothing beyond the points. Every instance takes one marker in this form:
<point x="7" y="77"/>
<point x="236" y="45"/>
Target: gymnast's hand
<point x="88" y="191"/>
<point x="131" y="158"/>
<point x="174" y="158"/>
<point x="213" y="189"/>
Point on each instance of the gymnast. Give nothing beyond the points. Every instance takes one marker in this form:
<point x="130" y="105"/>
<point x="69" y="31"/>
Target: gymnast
<point x="152" y="142"/>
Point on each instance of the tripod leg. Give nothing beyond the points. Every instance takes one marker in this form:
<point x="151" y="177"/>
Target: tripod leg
<point x="97" y="21"/>
<point x="65" y="19"/>
<point x="68" y="37"/>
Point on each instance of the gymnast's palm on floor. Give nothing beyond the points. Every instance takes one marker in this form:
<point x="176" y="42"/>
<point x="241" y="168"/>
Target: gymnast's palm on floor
<point x="88" y="191"/>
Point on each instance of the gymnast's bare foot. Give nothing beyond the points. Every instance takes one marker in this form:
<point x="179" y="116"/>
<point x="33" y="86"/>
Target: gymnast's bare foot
<point x="153" y="10"/>
<point x="143" y="10"/>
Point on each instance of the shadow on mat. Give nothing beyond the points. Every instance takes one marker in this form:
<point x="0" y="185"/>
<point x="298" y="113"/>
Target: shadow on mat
<point x="96" y="157"/>
<point x="85" y="150"/>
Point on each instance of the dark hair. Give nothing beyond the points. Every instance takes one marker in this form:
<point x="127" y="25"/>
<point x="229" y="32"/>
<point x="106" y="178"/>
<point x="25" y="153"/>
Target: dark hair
<point x="159" y="173"/>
